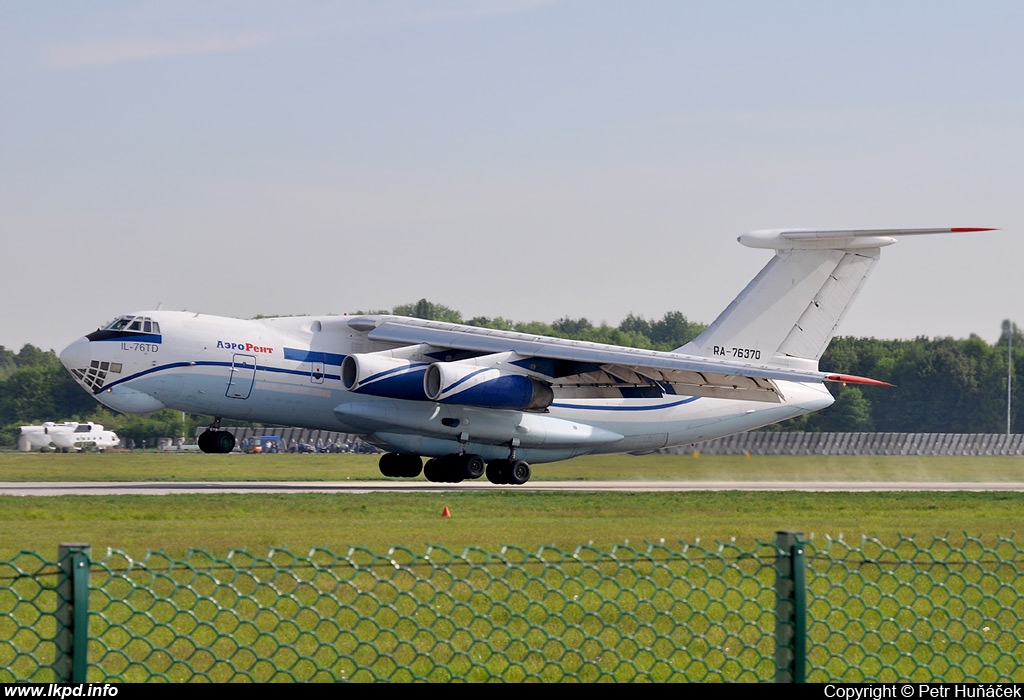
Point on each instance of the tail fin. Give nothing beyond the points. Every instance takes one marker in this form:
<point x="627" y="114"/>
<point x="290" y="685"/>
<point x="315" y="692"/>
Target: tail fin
<point x="788" y="314"/>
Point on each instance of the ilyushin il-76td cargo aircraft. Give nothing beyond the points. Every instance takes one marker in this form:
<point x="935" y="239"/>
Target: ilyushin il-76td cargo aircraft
<point x="476" y="401"/>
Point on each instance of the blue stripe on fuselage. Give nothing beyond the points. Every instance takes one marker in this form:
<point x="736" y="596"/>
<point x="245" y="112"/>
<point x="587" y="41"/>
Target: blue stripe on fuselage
<point x="328" y="358"/>
<point x="176" y="365"/>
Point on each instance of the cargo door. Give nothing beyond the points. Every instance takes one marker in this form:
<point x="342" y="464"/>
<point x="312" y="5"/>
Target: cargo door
<point x="243" y="374"/>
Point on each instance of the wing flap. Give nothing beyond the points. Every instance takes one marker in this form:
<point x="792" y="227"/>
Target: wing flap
<point x="709" y="384"/>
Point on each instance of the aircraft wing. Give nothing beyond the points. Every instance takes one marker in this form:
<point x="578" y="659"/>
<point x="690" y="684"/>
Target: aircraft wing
<point x="591" y="369"/>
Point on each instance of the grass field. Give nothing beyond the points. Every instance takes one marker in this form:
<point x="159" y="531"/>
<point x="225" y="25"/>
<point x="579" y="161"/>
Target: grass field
<point x="190" y="466"/>
<point x="500" y="517"/>
<point x="488" y="520"/>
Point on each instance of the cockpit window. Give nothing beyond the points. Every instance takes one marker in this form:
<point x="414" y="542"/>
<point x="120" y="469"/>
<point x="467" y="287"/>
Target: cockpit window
<point x="130" y="327"/>
<point x="138" y="324"/>
<point x="118" y="324"/>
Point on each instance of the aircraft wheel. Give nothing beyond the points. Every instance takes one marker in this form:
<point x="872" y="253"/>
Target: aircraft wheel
<point x="223" y="442"/>
<point x="205" y="441"/>
<point x="519" y="472"/>
<point x="398" y="464"/>
<point x="471" y="466"/>
<point x="432" y="470"/>
<point x="411" y="465"/>
<point x="387" y="464"/>
<point x="497" y="470"/>
<point x="446" y="469"/>
<point x="452" y="469"/>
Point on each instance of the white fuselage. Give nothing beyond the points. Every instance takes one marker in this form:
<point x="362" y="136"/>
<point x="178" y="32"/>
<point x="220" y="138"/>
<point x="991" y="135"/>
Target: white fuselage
<point x="287" y="371"/>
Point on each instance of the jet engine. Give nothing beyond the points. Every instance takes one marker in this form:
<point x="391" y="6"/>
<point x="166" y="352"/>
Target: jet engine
<point x="381" y="374"/>
<point x="470" y="384"/>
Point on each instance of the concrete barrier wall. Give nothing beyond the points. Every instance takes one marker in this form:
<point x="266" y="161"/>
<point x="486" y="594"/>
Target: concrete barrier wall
<point x="757" y="443"/>
<point x="780" y="443"/>
<point x="319" y="439"/>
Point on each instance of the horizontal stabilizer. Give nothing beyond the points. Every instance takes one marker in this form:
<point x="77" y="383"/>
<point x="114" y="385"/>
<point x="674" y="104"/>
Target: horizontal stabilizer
<point x="839" y="239"/>
<point x="875" y="232"/>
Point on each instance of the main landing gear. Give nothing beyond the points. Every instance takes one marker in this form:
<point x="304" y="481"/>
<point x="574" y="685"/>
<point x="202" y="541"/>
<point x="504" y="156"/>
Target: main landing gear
<point x="216" y="441"/>
<point x="456" y="467"/>
<point x="508" y="471"/>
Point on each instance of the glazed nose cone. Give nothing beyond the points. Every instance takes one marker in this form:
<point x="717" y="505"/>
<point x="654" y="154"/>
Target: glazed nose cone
<point x="77" y="355"/>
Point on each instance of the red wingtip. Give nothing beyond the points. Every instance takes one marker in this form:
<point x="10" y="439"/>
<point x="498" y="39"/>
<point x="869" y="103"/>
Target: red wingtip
<point x="854" y="379"/>
<point x="965" y="230"/>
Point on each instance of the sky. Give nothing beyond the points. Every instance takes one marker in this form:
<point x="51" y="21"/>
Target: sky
<point x="525" y="159"/>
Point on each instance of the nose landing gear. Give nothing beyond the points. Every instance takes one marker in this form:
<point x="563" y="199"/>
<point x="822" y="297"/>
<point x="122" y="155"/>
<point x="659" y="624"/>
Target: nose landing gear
<point x="216" y="441"/>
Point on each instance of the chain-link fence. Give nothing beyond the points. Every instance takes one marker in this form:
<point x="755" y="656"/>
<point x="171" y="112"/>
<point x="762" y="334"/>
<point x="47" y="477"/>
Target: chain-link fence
<point x="946" y="609"/>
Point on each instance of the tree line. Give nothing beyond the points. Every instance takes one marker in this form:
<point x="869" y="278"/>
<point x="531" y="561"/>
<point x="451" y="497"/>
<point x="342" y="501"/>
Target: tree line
<point x="942" y="385"/>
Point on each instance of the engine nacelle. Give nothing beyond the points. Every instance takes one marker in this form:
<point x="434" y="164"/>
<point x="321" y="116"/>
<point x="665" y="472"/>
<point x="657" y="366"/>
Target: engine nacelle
<point x="469" y="384"/>
<point x="381" y="374"/>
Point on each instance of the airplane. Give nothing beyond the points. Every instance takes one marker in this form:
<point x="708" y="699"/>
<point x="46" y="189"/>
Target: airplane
<point x="67" y="437"/>
<point x="481" y="402"/>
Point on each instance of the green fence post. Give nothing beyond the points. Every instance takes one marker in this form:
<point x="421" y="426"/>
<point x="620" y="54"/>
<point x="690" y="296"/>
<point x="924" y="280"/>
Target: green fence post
<point x="72" y="613"/>
<point x="790" y="608"/>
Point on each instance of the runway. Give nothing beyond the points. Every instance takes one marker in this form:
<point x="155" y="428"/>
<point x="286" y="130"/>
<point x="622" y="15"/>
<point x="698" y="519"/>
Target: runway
<point x="168" y="488"/>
